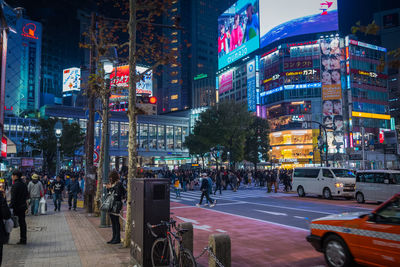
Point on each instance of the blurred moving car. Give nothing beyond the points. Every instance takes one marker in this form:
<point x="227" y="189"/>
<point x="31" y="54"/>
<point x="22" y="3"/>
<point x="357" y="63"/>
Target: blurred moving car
<point x="324" y="181"/>
<point x="365" y="238"/>
<point x="377" y="185"/>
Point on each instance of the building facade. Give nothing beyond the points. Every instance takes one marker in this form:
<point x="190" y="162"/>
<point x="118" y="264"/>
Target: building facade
<point x="195" y="46"/>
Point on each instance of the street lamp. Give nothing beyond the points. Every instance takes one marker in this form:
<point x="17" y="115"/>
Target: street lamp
<point x="58" y="128"/>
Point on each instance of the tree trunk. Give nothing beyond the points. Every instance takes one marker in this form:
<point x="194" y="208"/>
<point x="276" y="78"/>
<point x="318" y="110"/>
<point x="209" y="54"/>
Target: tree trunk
<point x="99" y="188"/>
<point x="132" y="153"/>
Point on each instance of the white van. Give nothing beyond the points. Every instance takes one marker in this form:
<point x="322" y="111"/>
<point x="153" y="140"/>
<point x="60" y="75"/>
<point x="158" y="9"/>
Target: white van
<point x="377" y="185"/>
<point x="324" y="181"/>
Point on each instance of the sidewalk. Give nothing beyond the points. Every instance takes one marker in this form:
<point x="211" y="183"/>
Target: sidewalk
<point x="65" y="238"/>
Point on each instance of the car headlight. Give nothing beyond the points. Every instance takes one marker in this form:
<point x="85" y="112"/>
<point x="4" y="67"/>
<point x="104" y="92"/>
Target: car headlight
<point x="339" y="184"/>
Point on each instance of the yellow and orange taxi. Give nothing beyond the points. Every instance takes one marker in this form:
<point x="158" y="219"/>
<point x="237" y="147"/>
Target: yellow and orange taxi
<point x="367" y="238"/>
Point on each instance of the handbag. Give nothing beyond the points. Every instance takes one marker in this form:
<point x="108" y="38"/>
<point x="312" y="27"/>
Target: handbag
<point x="8" y="225"/>
<point x="116" y="208"/>
<point x="108" y="203"/>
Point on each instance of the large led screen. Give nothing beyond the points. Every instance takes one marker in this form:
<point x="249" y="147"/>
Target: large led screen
<point x="238" y="31"/>
<point x="121" y="80"/>
<point x="285" y="18"/>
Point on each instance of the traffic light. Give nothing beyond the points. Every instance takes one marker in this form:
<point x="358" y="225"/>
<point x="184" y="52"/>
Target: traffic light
<point x="146" y="99"/>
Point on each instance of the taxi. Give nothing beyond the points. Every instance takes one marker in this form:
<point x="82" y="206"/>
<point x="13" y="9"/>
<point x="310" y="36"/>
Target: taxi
<point x="365" y="238"/>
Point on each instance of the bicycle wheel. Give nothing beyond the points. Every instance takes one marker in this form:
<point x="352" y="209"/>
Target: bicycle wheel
<point x="186" y="258"/>
<point x="160" y="253"/>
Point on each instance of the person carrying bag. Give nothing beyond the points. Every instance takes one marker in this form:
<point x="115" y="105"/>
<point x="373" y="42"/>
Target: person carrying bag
<point x="6" y="224"/>
<point x="113" y="205"/>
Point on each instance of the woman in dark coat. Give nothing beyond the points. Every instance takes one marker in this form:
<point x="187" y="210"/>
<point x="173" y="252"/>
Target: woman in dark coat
<point x="5" y="214"/>
<point x="116" y="186"/>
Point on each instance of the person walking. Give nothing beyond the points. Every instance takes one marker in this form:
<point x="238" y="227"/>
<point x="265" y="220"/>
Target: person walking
<point x="73" y="190"/>
<point x="115" y="186"/>
<point x="177" y="186"/>
<point x="58" y="188"/>
<point x="205" y="191"/>
<point x="36" y="191"/>
<point x="218" y="183"/>
<point x="19" y="196"/>
<point x="5" y="214"/>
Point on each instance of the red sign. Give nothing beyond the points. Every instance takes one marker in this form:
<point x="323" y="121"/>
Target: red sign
<point x="301" y="44"/>
<point x="121" y="80"/>
<point x="29" y="31"/>
<point x="3" y="147"/>
<point x="95" y="157"/>
<point x="225" y="82"/>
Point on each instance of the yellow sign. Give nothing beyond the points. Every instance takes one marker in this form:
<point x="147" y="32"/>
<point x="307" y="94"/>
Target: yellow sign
<point x="331" y="92"/>
<point x="370" y="115"/>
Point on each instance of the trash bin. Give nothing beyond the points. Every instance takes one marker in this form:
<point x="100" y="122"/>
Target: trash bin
<point x="150" y="205"/>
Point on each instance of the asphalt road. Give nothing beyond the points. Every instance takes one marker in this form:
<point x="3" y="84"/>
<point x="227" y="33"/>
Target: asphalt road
<point x="281" y="209"/>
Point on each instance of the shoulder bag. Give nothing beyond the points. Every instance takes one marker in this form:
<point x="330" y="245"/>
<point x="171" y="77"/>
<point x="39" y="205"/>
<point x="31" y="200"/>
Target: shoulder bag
<point x="108" y="203"/>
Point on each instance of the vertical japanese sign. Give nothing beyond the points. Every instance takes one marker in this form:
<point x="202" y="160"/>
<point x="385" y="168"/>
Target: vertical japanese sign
<point x="251" y="86"/>
<point x="332" y="114"/>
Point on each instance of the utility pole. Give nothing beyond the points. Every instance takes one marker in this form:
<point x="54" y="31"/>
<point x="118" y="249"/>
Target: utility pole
<point x="363" y="146"/>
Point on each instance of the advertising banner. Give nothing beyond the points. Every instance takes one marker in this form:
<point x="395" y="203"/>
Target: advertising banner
<point x="282" y="19"/>
<point x="332" y="107"/>
<point x="251" y="86"/>
<point x="3" y="147"/>
<point x="71" y="79"/>
<point x="225" y="82"/>
<point x="121" y="80"/>
<point x="238" y="31"/>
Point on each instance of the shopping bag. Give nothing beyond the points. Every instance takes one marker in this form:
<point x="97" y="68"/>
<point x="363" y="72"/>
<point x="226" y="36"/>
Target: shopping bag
<point x="42" y="206"/>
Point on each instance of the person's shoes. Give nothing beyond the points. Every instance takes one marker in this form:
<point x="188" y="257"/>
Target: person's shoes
<point x="21" y="242"/>
<point x="205" y="205"/>
<point x="115" y="242"/>
<point x="198" y="205"/>
<point x="74" y="209"/>
<point x="69" y="208"/>
<point x="58" y="209"/>
<point x="109" y="242"/>
<point x="212" y="205"/>
<point x="55" y="209"/>
<point x="215" y="201"/>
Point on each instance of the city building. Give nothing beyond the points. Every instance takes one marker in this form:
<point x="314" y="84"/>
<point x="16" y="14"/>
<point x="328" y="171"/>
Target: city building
<point x="22" y="74"/>
<point x="389" y="31"/>
<point x="319" y="90"/>
<point x="159" y="138"/>
<point x="195" y="44"/>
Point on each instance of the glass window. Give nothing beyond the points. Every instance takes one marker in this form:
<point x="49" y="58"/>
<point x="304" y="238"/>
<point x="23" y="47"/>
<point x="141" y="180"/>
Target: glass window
<point x="178" y="137"/>
<point x="343" y="173"/>
<point x="144" y="130"/>
<point x="124" y="134"/>
<point x="161" y="136"/>
<point x="114" y="134"/>
<point x="390" y="213"/>
<point x="395" y="178"/>
<point x="327" y="173"/>
<point x="369" y="178"/>
<point x="152" y="136"/>
<point x="170" y="137"/>
<point x="306" y="173"/>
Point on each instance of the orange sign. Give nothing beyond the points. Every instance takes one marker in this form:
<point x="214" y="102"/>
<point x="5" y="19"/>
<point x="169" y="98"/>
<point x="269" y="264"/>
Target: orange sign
<point x="331" y="92"/>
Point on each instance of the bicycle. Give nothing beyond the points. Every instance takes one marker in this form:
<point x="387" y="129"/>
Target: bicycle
<point x="163" y="251"/>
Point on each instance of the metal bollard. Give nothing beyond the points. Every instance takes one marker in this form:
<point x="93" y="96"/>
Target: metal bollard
<point x="187" y="237"/>
<point x="220" y="250"/>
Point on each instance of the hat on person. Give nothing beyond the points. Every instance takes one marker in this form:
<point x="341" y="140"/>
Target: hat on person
<point x="204" y="174"/>
<point x="35" y="176"/>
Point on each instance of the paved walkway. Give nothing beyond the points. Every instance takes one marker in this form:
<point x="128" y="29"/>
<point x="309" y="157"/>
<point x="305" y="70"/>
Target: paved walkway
<point x="65" y="238"/>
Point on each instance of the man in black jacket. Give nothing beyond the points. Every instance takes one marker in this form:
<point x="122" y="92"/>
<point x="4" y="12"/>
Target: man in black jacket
<point x="73" y="189"/>
<point x="58" y="187"/>
<point x="19" y="196"/>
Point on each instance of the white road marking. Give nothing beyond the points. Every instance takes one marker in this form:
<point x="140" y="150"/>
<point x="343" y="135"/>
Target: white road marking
<point x="219" y="230"/>
<point x="202" y="227"/>
<point x="273" y="213"/>
<point x="175" y="200"/>
<point x="299" y="217"/>
<point x="187" y="220"/>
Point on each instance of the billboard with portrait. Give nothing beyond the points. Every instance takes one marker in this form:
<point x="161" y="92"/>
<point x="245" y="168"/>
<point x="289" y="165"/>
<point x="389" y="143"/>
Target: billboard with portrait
<point x="332" y="105"/>
<point x="120" y="79"/>
<point x="71" y="79"/>
<point x="282" y="19"/>
<point x="238" y="31"/>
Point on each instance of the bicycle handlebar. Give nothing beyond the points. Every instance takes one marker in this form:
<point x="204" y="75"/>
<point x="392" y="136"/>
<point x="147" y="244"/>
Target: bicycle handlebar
<point x="169" y="223"/>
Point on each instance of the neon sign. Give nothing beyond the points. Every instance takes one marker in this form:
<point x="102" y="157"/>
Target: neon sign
<point x="29" y="31"/>
<point x="301" y="44"/>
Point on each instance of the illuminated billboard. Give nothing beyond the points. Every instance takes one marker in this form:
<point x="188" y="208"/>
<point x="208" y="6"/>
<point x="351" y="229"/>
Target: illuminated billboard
<point x="282" y="19"/>
<point x="238" y="31"/>
<point x="71" y="79"/>
<point x="121" y="80"/>
<point x="225" y="82"/>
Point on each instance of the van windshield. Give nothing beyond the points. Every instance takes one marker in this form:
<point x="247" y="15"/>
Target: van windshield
<point x="343" y="173"/>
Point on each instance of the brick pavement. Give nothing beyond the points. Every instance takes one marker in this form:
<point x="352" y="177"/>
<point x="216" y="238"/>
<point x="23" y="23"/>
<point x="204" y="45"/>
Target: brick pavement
<point x="66" y="238"/>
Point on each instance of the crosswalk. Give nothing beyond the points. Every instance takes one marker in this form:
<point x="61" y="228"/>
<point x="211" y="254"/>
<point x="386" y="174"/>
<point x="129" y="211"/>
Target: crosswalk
<point x="194" y="196"/>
